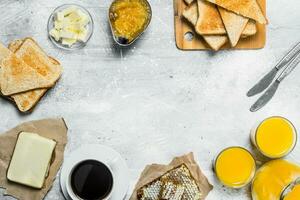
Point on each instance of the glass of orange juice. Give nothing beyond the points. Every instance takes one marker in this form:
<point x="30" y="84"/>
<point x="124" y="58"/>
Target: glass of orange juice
<point x="275" y="137"/>
<point x="277" y="180"/>
<point x="235" y="167"/>
<point x="292" y="191"/>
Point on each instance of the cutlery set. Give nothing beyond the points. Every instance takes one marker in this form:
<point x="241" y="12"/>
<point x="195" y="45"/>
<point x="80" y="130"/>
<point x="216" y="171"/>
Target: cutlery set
<point x="286" y="65"/>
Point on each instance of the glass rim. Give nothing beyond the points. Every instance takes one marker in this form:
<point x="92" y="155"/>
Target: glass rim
<point x="289" y="188"/>
<point x="252" y="173"/>
<point x="58" y="44"/>
<point x="294" y="142"/>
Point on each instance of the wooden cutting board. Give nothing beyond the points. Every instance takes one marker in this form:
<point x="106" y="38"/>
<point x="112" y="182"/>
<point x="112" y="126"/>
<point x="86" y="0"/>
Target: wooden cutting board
<point x="184" y="31"/>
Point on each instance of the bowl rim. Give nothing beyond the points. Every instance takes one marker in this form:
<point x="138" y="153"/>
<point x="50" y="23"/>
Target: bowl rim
<point x="139" y="35"/>
<point x="58" y="44"/>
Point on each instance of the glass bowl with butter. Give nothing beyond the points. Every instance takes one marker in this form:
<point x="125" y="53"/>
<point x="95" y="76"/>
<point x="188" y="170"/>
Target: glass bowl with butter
<point x="70" y="26"/>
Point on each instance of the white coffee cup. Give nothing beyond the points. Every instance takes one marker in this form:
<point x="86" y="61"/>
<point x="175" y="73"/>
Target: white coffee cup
<point x="70" y="191"/>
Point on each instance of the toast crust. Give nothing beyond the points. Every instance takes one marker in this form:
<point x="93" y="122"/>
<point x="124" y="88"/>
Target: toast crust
<point x="14" y="45"/>
<point x="246" y="8"/>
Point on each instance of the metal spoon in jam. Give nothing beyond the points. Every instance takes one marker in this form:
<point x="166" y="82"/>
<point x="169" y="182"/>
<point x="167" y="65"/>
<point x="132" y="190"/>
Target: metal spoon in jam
<point x="129" y="19"/>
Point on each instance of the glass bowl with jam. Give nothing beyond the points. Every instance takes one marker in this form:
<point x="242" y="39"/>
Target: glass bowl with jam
<point x="129" y="19"/>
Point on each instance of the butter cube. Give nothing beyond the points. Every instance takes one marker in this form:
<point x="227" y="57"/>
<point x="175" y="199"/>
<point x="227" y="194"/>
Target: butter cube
<point x="59" y="16"/>
<point x="55" y="34"/>
<point x="82" y="14"/>
<point x="31" y="160"/>
<point x="84" y="21"/>
<point x="68" y="34"/>
<point x="84" y="18"/>
<point x="58" y="24"/>
<point x="82" y="35"/>
<point x="69" y="10"/>
<point x="74" y="28"/>
<point x="66" y="20"/>
<point x="74" y="16"/>
<point x="68" y="42"/>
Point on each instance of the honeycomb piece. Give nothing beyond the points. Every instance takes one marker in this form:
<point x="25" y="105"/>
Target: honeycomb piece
<point x="171" y="191"/>
<point x="181" y="175"/>
<point x="150" y="191"/>
<point x="177" y="182"/>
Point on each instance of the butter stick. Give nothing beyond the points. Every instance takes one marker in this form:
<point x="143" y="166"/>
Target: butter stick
<point x="30" y="160"/>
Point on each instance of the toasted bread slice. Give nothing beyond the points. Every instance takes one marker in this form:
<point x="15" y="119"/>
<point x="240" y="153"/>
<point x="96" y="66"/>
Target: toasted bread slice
<point x="27" y="100"/>
<point x="4" y="53"/>
<point x="36" y="58"/>
<point x="209" y="21"/>
<point x="16" y="76"/>
<point x="246" y="8"/>
<point x="234" y="25"/>
<point x="189" y="1"/>
<point x="250" y="29"/>
<point x="190" y="13"/>
<point x="214" y="41"/>
<point x="14" y="45"/>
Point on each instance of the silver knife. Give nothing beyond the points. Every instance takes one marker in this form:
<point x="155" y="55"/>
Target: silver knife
<point x="267" y="96"/>
<point x="268" y="78"/>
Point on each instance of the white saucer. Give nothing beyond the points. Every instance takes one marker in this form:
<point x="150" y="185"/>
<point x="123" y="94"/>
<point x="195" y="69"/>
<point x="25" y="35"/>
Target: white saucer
<point x="100" y="153"/>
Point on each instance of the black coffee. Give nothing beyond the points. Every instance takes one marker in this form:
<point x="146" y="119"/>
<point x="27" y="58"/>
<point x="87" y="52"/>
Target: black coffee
<point x="91" y="180"/>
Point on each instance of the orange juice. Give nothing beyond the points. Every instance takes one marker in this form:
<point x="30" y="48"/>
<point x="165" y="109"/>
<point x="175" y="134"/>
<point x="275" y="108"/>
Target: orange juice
<point x="273" y="178"/>
<point x="294" y="194"/>
<point x="275" y="137"/>
<point x="235" y="167"/>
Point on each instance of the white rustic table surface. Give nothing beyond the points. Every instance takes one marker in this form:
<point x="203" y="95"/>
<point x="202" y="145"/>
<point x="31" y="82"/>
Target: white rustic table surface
<point x="152" y="102"/>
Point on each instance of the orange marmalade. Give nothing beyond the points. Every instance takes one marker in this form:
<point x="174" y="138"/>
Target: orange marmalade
<point x="273" y="178"/>
<point x="129" y="18"/>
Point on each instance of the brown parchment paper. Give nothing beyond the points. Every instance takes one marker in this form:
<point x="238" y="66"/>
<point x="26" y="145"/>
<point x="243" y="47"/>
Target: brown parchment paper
<point x="55" y="129"/>
<point x="154" y="171"/>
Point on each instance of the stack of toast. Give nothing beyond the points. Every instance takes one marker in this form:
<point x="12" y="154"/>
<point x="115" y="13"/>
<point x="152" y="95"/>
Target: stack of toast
<point x="26" y="73"/>
<point x="222" y="21"/>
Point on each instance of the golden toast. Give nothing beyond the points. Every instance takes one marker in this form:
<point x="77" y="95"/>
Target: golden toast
<point x="35" y="57"/>
<point x="27" y="100"/>
<point x="16" y="76"/>
<point x="214" y="41"/>
<point x="246" y="8"/>
<point x="209" y="20"/>
<point x="234" y="24"/>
